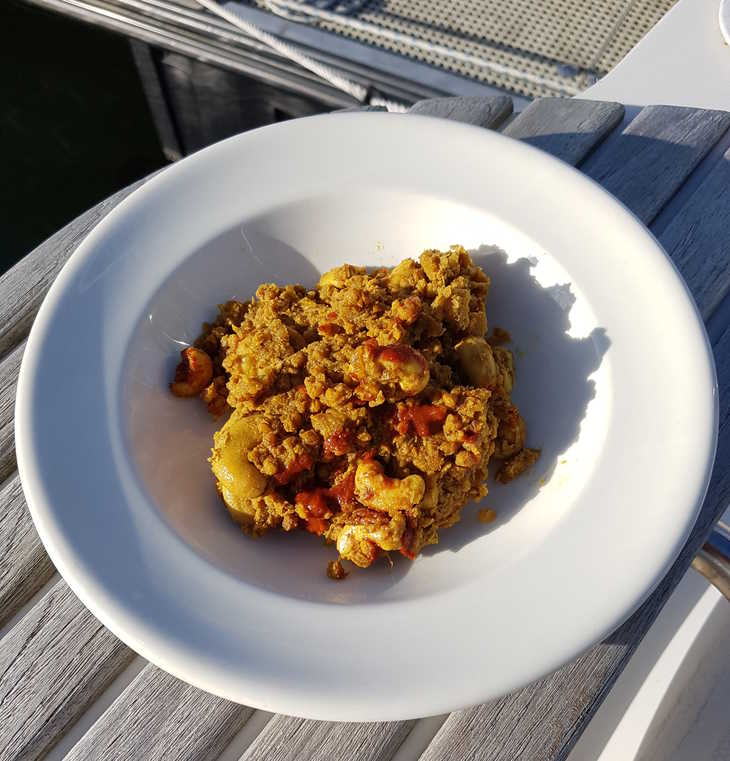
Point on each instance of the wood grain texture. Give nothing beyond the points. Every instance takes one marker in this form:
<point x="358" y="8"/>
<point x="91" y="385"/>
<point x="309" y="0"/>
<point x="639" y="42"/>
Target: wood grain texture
<point x="25" y="567"/>
<point x="53" y="665"/>
<point x="24" y="286"/>
<point x="286" y="738"/>
<point x="158" y="716"/>
<point x="482" y="112"/>
<point x="9" y="367"/>
<point x="699" y="238"/>
<point x="644" y="165"/>
<point x="567" y="128"/>
<point x="543" y="720"/>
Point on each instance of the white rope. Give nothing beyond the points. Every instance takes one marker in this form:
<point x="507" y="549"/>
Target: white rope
<point x="357" y="91"/>
<point x="298" y="16"/>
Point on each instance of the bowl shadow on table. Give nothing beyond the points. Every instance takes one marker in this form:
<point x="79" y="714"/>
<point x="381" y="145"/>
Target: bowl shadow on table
<point x="553" y="386"/>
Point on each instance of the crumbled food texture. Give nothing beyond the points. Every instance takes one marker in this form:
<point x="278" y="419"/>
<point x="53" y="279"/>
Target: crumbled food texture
<point x="335" y="570"/>
<point x="517" y="465"/>
<point x="486" y="515"/>
<point x="366" y="409"/>
<point x="215" y="396"/>
<point x="499" y="337"/>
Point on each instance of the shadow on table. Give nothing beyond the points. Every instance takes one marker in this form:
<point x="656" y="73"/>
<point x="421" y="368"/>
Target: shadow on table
<point x="553" y="385"/>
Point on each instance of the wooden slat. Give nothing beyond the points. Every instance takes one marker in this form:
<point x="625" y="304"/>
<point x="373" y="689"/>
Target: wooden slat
<point x="544" y="720"/>
<point x="482" y="112"/>
<point x="699" y="238"/>
<point x="644" y="165"/>
<point x="24" y="286"/>
<point x="286" y="738"/>
<point x="53" y="664"/>
<point x="24" y="566"/>
<point x="567" y="128"/>
<point x="158" y="716"/>
<point x="356" y="109"/>
<point x="9" y="367"/>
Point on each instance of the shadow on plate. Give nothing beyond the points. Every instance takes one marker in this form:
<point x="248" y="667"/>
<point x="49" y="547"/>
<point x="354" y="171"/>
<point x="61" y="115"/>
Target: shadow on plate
<point x="553" y="384"/>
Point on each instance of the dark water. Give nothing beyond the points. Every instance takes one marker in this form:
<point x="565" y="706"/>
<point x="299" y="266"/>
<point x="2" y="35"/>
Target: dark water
<point x="74" y="124"/>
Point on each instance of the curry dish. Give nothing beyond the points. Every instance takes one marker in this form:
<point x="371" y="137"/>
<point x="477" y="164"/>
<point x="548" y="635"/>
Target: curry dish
<point x="365" y="410"/>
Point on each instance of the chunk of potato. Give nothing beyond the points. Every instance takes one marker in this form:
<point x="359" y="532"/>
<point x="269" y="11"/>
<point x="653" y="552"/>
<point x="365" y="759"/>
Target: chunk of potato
<point x="238" y="480"/>
<point x="476" y="360"/>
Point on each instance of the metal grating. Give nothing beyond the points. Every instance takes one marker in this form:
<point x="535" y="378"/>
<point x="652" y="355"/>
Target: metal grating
<point x="557" y="47"/>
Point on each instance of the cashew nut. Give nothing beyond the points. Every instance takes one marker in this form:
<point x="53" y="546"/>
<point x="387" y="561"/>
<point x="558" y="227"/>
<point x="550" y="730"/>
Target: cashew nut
<point x="360" y="542"/>
<point x="193" y="374"/>
<point x="407" y="366"/>
<point x="391" y="495"/>
<point x="393" y="367"/>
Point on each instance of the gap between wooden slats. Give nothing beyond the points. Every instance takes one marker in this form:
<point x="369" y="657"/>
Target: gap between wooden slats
<point x="708" y="164"/>
<point x="646" y="163"/>
<point x="11" y="621"/>
<point x="158" y="716"/>
<point x="9" y="367"/>
<point x="286" y="738"/>
<point x="698" y="238"/>
<point x="566" y="128"/>
<point x="53" y="664"/>
<point x="246" y="735"/>
<point x="24" y="565"/>
<point x="86" y="719"/>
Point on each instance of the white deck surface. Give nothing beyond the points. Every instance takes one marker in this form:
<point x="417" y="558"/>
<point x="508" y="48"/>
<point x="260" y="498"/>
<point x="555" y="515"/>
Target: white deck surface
<point x="683" y="61"/>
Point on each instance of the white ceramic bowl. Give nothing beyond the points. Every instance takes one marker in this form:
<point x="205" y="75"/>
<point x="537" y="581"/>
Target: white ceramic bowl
<point x="614" y="378"/>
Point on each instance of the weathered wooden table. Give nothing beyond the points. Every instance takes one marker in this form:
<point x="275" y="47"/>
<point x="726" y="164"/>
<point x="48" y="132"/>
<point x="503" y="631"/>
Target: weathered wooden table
<point x="69" y="688"/>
